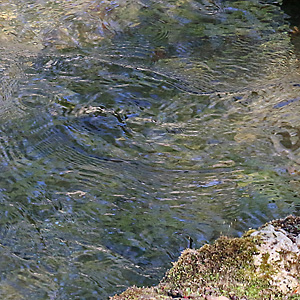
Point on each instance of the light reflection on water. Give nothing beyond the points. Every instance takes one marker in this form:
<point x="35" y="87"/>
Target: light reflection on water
<point x="125" y="135"/>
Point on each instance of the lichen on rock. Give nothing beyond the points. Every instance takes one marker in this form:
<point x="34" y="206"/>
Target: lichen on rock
<point x="279" y="253"/>
<point x="263" y="264"/>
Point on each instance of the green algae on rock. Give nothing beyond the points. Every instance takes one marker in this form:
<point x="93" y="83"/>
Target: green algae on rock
<point x="263" y="264"/>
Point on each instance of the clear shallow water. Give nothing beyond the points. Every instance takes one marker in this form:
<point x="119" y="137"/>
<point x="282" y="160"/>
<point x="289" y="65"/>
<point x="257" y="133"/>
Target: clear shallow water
<point x="128" y="127"/>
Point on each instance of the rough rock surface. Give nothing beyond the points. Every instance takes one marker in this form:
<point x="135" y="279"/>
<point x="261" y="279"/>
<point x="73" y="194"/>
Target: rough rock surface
<point x="281" y="253"/>
<point x="263" y="264"/>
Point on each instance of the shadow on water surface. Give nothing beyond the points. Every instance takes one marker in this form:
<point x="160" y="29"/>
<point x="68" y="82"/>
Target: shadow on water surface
<point x="291" y="8"/>
<point x="128" y="129"/>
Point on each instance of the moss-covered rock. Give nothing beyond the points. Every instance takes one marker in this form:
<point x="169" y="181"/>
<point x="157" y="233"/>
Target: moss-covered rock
<point x="263" y="264"/>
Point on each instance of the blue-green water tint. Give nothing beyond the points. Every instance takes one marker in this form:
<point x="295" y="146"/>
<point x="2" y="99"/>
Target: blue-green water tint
<point x="128" y="127"/>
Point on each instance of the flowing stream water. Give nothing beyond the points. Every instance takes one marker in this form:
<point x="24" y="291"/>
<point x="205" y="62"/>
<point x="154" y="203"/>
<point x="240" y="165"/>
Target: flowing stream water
<point x="130" y="130"/>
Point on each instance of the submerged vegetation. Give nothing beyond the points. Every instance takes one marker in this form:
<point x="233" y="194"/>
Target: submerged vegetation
<point x="263" y="264"/>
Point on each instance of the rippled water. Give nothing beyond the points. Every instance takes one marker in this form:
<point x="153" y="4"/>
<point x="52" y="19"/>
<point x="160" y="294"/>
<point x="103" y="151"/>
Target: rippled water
<point x="130" y="128"/>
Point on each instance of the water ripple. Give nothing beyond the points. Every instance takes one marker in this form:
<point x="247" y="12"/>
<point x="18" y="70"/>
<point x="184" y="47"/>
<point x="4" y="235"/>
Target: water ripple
<point x="130" y="128"/>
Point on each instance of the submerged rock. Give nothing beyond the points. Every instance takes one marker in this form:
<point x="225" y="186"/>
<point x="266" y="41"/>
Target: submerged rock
<point x="263" y="264"/>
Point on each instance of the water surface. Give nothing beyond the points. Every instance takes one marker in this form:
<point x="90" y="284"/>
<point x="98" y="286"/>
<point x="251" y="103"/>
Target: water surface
<point x="130" y="128"/>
